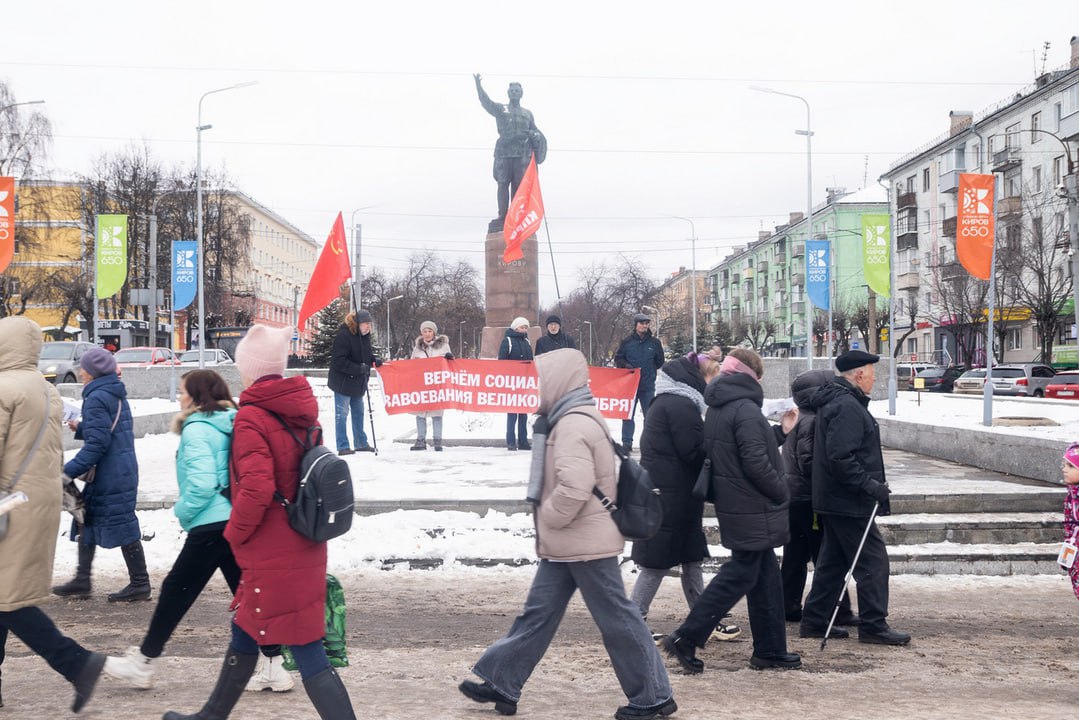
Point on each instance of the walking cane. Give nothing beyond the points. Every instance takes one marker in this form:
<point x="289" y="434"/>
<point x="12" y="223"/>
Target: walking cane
<point x="846" y="580"/>
<point x="371" y="419"/>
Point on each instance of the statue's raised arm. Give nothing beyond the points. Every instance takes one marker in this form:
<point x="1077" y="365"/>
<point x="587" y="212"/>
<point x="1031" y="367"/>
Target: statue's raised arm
<point x="488" y="104"/>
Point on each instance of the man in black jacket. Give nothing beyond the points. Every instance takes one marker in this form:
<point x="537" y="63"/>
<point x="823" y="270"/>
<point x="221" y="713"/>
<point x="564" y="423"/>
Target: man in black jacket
<point x="848" y="482"/>
<point x="554" y="338"/>
<point x="351" y="359"/>
<point x="639" y="350"/>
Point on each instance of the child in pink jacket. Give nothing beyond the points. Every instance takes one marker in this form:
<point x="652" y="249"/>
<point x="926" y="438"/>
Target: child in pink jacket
<point x="1070" y="467"/>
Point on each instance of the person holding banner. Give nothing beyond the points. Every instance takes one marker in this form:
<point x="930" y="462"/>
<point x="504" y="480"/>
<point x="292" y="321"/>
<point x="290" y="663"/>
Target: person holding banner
<point x="555" y="338"/>
<point x="351" y="360"/>
<point x="578" y="545"/>
<point x="639" y="350"/>
<point x="516" y="347"/>
<point x="428" y="345"/>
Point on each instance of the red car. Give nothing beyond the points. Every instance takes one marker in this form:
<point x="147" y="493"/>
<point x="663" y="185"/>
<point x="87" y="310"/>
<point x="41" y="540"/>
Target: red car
<point x="1065" y="386"/>
<point x="135" y="357"/>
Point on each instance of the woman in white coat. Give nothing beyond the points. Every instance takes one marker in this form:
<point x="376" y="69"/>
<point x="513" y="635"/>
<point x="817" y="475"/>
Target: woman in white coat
<point x="428" y="345"/>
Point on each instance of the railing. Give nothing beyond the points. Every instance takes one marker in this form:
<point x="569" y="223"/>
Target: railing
<point x="948" y="227"/>
<point x="1009" y="206"/>
<point x="798" y="250"/>
<point x="907" y="200"/>
<point x="798" y="279"/>
<point x="798" y="307"/>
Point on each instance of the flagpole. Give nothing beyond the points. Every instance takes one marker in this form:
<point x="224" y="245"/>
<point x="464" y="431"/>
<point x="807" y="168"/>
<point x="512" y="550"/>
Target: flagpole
<point x="987" y="387"/>
<point x="554" y="269"/>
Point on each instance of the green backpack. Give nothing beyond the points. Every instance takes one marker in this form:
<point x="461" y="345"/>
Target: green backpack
<point x="334" y="642"/>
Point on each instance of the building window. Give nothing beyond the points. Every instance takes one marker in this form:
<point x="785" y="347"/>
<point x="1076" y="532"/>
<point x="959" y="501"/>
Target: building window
<point x="912" y="346"/>
<point x="13" y="287"/>
<point x="925" y="180"/>
<point x="1070" y="101"/>
<point x="1035" y="126"/>
<point x="1036" y="178"/>
<point x="1012" y="236"/>
<point x="1012" y="180"/>
<point x="1058" y="169"/>
<point x="1011" y="136"/>
<point x="1014" y="339"/>
<point x="1036" y="230"/>
<point x="910" y="183"/>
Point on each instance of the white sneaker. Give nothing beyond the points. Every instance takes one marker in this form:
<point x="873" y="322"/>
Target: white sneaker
<point x="133" y="668"/>
<point x="270" y="675"/>
<point x="725" y="631"/>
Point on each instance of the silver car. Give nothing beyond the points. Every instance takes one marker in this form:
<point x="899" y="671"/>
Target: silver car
<point x="59" y="361"/>
<point x="972" y="382"/>
<point x="211" y="358"/>
<point x="1028" y="379"/>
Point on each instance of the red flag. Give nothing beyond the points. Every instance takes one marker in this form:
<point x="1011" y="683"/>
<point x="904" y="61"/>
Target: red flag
<point x="7" y="221"/>
<point x="525" y="214"/>
<point x="331" y="270"/>
<point x="975" y="224"/>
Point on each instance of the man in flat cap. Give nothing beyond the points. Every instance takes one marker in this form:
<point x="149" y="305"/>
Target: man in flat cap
<point x="848" y="481"/>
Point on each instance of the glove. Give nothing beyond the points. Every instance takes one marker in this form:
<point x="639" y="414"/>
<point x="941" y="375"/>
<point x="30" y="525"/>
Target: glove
<point x="880" y="492"/>
<point x="378" y="362"/>
<point x="449" y="356"/>
<point x="365" y="369"/>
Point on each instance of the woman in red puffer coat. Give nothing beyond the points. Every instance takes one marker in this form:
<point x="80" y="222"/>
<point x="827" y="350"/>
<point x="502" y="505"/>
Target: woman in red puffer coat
<point x="282" y="593"/>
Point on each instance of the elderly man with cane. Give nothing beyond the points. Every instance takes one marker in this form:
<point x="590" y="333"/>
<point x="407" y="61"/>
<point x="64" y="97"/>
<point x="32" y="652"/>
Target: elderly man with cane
<point x="849" y="491"/>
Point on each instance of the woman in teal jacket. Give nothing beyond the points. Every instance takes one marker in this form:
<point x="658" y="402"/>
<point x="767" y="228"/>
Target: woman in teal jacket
<point x="202" y="472"/>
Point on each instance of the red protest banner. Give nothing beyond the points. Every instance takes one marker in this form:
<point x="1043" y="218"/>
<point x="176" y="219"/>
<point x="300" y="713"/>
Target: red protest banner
<point x="495" y="386"/>
<point x="7" y="221"/>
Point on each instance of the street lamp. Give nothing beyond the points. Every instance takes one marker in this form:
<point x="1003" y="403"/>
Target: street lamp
<point x="461" y="338"/>
<point x="589" y="324"/>
<point x="357" y="286"/>
<point x="693" y="285"/>
<point x="389" y="352"/>
<point x="198" y="215"/>
<point x="654" y="311"/>
<point x="808" y="132"/>
<point x="27" y="102"/>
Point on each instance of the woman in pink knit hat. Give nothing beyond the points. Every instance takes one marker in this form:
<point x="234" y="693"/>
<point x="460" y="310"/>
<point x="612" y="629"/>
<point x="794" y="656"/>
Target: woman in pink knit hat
<point x="282" y="593"/>
<point x="1070" y="468"/>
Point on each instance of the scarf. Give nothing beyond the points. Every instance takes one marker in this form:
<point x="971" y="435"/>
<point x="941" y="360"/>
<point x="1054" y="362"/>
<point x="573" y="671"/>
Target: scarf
<point x="732" y="365"/>
<point x="666" y="385"/>
<point x="575" y="398"/>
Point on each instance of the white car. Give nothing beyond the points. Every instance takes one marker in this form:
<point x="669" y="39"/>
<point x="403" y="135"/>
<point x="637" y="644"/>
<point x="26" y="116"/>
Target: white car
<point x="211" y="358"/>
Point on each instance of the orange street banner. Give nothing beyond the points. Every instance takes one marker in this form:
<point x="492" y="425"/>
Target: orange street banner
<point x="7" y="221"/>
<point x="494" y="386"/>
<point x="975" y="224"/>
<point x="525" y="214"/>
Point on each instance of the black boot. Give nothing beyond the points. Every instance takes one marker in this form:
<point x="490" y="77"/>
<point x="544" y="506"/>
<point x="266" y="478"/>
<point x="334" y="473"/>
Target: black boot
<point x="79" y="587"/>
<point x="235" y="673"/>
<point x="139" y="586"/>
<point x="329" y="696"/>
<point x="86" y="680"/>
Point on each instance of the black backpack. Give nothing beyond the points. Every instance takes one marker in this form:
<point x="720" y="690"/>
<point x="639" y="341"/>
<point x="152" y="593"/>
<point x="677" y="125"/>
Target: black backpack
<point x="325" y="502"/>
<point x="638" y="511"/>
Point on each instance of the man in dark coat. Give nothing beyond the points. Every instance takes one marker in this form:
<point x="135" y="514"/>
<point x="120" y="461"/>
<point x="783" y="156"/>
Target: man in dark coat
<point x="554" y="338"/>
<point x="639" y="350"/>
<point x="751" y="505"/>
<point x="516" y="347"/>
<point x="806" y="533"/>
<point x="351" y="359"/>
<point x="848" y="486"/>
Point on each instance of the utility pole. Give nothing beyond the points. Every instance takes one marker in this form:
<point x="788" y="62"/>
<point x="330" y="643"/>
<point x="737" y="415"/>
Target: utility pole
<point x="874" y="336"/>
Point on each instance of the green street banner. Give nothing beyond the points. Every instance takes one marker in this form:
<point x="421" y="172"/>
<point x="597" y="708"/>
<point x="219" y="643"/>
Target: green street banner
<point x="876" y="253"/>
<point x="111" y="254"/>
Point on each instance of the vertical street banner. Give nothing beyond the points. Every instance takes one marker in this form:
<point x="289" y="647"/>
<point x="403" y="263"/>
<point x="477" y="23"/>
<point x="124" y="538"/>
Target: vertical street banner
<point x="876" y="253"/>
<point x="525" y="214"/>
<point x="111" y="254"/>
<point x="185" y="273"/>
<point x="7" y="221"/>
<point x="818" y="272"/>
<point x="975" y="224"/>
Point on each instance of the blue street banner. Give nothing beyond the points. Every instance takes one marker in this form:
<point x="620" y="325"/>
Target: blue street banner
<point x="185" y="275"/>
<point x="818" y="272"/>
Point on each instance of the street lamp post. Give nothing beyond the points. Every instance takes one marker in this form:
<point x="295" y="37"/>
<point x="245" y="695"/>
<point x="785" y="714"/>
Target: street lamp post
<point x="198" y="216"/>
<point x="589" y="324"/>
<point x="357" y="237"/>
<point x="389" y="352"/>
<point x="808" y="132"/>
<point x="153" y="290"/>
<point x="461" y="338"/>
<point x="654" y="311"/>
<point x="693" y="282"/>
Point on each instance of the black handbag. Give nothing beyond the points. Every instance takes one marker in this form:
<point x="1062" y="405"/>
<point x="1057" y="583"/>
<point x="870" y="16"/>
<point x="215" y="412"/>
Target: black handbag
<point x="638" y="510"/>
<point x="702" y="488"/>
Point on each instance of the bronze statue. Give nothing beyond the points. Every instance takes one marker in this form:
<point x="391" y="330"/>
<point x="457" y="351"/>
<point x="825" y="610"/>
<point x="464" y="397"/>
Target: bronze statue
<point x="518" y="138"/>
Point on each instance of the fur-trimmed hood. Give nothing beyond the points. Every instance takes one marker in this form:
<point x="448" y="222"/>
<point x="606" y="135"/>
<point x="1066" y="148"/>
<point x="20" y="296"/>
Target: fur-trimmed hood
<point x="435" y="347"/>
<point x="178" y="420"/>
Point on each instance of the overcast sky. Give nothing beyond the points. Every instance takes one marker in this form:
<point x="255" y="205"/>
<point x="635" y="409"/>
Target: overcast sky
<point x="645" y="105"/>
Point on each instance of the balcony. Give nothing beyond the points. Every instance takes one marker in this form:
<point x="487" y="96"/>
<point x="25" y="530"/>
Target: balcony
<point x="762" y="267"/>
<point x="798" y="279"/>
<point x="1068" y="128"/>
<point x="724" y="282"/>
<point x="798" y="250"/>
<point x="781" y="313"/>
<point x="736" y="278"/>
<point x="748" y="295"/>
<point x="764" y="316"/>
<point x="781" y="259"/>
<point x="762" y="291"/>
<point x="949" y="181"/>
<point x="952" y="271"/>
<point x="1009" y="207"/>
<point x="907" y="281"/>
<point x="1006" y="159"/>
<point x="748" y="273"/>
<point x="948" y="227"/>
<point x="779" y="284"/>
<point x="798" y="308"/>
<point x="734" y="305"/>
<point x="907" y="200"/>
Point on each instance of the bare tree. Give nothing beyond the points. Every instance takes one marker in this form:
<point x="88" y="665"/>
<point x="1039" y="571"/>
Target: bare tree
<point x="759" y="335"/>
<point x="608" y="295"/>
<point x="961" y="299"/>
<point x="25" y="137"/>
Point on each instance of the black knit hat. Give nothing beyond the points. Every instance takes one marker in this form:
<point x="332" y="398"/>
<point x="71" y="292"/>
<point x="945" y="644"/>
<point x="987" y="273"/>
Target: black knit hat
<point x="553" y="319"/>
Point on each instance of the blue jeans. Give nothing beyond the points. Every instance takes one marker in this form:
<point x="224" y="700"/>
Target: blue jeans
<point x="436" y="427"/>
<point x="520" y="421"/>
<point x="342" y="404"/>
<point x="310" y="658"/>
<point x="644" y="398"/>
<point x="509" y="662"/>
<point x="755" y="575"/>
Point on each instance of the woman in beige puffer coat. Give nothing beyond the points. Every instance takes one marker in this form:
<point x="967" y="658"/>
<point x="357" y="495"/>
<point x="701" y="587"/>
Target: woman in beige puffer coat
<point x="578" y="545"/>
<point x="27" y="403"/>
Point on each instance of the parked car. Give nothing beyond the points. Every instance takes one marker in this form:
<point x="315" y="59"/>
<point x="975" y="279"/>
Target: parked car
<point x="1026" y="379"/>
<point x="211" y="357"/>
<point x="940" y="379"/>
<point x="1065" y="385"/>
<point x="135" y="357"/>
<point x="59" y="361"/>
<point x="905" y="372"/>
<point x="972" y="382"/>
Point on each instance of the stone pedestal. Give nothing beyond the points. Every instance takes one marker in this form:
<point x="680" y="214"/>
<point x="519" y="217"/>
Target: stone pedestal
<point x="512" y="290"/>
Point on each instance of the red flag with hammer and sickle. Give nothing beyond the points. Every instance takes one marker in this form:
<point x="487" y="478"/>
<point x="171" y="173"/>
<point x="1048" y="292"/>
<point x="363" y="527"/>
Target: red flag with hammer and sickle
<point x="331" y="270"/>
<point x="525" y="214"/>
